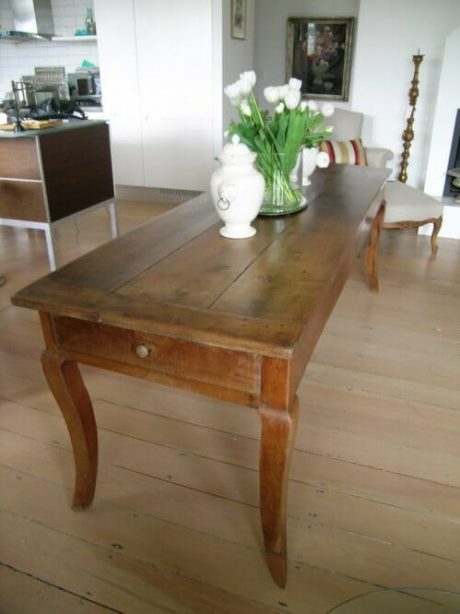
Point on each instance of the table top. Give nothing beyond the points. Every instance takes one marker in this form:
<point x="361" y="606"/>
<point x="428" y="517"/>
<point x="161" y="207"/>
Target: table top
<point x="177" y="276"/>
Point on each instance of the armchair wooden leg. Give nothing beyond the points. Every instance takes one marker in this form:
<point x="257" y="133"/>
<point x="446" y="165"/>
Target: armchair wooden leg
<point x="373" y="246"/>
<point x="434" y="236"/>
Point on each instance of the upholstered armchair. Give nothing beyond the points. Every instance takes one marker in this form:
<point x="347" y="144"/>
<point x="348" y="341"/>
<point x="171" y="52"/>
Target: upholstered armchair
<point x="406" y="207"/>
<point x="347" y="127"/>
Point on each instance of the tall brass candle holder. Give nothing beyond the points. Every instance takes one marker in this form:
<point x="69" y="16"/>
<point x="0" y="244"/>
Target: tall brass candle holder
<point x="408" y="134"/>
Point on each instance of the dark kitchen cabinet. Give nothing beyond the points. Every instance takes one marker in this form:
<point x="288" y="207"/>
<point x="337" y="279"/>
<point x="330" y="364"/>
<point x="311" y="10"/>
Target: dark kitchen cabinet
<point x="48" y="175"/>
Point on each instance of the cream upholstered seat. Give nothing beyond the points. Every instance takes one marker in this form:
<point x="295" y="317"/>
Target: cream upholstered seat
<point x="406" y="207"/>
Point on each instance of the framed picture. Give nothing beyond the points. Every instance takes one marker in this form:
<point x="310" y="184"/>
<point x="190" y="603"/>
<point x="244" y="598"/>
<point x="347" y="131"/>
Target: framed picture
<point x="319" y="53"/>
<point x="238" y="29"/>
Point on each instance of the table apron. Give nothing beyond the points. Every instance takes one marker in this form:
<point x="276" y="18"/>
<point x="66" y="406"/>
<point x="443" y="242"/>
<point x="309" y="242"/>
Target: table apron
<point x="222" y="373"/>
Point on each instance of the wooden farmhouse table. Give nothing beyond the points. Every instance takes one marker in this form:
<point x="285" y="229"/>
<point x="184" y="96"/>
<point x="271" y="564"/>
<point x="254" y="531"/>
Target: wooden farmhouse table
<point x="174" y="302"/>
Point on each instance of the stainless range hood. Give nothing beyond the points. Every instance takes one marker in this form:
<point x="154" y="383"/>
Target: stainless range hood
<point x="33" y="20"/>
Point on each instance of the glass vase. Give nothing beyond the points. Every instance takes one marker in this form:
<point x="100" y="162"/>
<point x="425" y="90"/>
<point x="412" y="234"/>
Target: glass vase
<point x="283" y="185"/>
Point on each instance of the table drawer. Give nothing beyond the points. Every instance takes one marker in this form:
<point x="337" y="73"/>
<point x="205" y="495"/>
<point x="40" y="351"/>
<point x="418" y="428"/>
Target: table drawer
<point x="173" y="357"/>
<point x="22" y="200"/>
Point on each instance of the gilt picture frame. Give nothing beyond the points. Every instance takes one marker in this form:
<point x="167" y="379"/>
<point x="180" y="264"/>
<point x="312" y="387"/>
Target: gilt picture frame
<point x="319" y="53"/>
<point x="238" y="19"/>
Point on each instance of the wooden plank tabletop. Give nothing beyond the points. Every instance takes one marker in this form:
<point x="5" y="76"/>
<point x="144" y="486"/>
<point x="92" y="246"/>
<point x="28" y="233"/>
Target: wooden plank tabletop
<point x="177" y="276"/>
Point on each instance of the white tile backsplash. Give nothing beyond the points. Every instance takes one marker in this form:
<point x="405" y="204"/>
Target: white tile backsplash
<point x="17" y="59"/>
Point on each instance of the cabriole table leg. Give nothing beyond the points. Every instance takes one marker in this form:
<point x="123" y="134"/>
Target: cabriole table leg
<point x="66" y="384"/>
<point x="277" y="441"/>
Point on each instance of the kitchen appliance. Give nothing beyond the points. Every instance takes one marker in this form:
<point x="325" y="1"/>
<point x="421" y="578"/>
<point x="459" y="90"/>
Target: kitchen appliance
<point x="85" y="88"/>
<point x="51" y="79"/>
<point x="24" y="93"/>
<point x="33" y="19"/>
<point x="83" y="84"/>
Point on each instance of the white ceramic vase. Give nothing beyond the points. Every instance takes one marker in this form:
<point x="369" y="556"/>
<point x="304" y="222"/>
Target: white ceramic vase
<point x="237" y="191"/>
<point x="309" y="158"/>
<point x="296" y="171"/>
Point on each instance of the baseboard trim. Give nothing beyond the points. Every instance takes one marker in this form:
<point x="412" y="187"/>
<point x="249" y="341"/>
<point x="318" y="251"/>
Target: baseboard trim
<point x="164" y="195"/>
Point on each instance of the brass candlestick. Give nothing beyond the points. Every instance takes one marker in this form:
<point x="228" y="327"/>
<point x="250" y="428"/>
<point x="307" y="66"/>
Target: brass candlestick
<point x="408" y="134"/>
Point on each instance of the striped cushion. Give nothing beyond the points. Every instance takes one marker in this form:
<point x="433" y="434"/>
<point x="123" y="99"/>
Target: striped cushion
<point x="345" y="152"/>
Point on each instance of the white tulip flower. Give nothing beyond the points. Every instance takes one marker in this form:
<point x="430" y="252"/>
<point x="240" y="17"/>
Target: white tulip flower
<point x="283" y="90"/>
<point x="232" y="91"/>
<point x="279" y="108"/>
<point x="244" y="87"/>
<point x="327" y="109"/>
<point x="294" y="84"/>
<point x="245" y="108"/>
<point x="249" y="75"/>
<point x="303" y="105"/>
<point x="322" y="159"/>
<point x="312" y="105"/>
<point x="292" y="99"/>
<point x="328" y="129"/>
<point x="271" y="94"/>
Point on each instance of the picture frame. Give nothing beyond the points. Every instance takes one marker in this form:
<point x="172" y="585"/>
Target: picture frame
<point x="238" y="19"/>
<point x="319" y="53"/>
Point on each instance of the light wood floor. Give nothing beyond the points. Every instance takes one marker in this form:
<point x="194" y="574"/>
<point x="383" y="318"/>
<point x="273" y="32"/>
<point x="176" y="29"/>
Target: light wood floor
<point x="375" y="481"/>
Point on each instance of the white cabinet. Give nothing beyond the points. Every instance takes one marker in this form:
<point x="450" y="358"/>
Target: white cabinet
<point x="120" y="88"/>
<point x="159" y="62"/>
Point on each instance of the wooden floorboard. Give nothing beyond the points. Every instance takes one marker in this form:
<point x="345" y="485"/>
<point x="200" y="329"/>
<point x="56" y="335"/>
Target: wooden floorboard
<point x="174" y="527"/>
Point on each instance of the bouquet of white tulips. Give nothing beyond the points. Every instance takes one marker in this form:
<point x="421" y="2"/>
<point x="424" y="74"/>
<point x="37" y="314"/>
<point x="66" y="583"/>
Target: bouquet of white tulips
<point x="277" y="139"/>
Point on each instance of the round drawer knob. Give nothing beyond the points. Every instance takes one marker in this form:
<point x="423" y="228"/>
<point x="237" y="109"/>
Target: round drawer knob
<point x="142" y="351"/>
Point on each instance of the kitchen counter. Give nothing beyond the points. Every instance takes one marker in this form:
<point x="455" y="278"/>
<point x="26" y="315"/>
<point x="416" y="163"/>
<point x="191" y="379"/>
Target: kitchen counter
<point x="47" y="175"/>
<point x="71" y="124"/>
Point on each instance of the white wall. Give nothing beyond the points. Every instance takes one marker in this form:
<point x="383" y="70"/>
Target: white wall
<point x="18" y="59"/>
<point x="217" y="76"/>
<point x="238" y="55"/>
<point x="387" y="34"/>
<point x="448" y="102"/>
